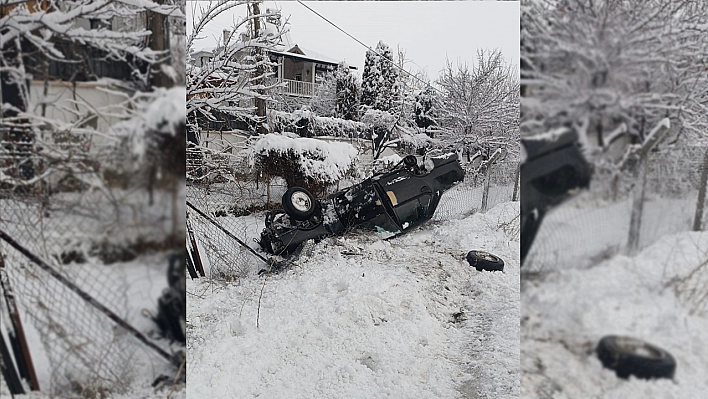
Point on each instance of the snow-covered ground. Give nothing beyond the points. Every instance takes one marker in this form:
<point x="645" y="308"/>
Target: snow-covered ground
<point x="658" y="295"/>
<point x="359" y="317"/>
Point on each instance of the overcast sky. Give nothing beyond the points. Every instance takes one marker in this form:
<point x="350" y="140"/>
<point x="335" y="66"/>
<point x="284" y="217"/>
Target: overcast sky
<point x="429" y="32"/>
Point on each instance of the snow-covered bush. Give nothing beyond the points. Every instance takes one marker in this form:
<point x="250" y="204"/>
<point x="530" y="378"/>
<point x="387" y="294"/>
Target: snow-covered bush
<point x="324" y="100"/>
<point x="381" y="126"/>
<point x="304" y="162"/>
<point x="307" y="124"/>
<point x="423" y="111"/>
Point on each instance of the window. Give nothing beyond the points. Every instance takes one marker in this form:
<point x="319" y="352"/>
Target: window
<point x="411" y="212"/>
<point x="382" y="224"/>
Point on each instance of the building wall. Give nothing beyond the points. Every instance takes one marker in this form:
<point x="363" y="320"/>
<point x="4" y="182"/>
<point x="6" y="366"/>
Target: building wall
<point x="60" y="105"/>
<point x="292" y="68"/>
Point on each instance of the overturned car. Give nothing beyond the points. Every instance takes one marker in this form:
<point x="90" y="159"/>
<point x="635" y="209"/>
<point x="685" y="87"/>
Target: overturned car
<point x="391" y="203"/>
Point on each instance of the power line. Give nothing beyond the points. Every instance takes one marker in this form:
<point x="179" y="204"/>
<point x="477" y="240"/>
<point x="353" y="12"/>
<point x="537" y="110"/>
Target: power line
<point x="369" y="48"/>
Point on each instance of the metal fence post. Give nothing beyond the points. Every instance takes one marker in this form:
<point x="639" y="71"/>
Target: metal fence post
<point x="487" y="178"/>
<point x="657" y="134"/>
<point x="698" y="219"/>
<point x="485" y="193"/>
<point x="517" y="183"/>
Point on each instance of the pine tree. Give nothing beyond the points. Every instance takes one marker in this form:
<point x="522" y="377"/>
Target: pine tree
<point x="388" y="78"/>
<point x="370" y="79"/>
<point x="347" y="93"/>
<point x="379" y="89"/>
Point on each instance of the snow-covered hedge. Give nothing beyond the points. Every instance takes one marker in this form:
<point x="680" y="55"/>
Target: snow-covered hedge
<point x="307" y="124"/>
<point x="304" y="162"/>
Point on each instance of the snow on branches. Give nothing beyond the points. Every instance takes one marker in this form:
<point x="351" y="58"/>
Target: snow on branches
<point x="615" y="62"/>
<point x="379" y="80"/>
<point x="238" y="71"/>
<point x="347" y="89"/>
<point x="480" y="106"/>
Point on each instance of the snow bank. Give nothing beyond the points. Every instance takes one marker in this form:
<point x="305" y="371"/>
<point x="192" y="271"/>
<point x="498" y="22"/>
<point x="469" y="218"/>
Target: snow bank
<point x="566" y="314"/>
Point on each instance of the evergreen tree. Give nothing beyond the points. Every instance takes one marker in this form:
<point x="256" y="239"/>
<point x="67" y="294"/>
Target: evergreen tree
<point x="370" y="79"/>
<point x="347" y="93"/>
<point x="379" y="88"/>
<point x="324" y="102"/>
<point x="387" y="92"/>
<point x="423" y="112"/>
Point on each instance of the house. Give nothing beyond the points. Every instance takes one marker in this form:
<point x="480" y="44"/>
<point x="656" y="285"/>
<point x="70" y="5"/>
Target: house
<point x="299" y="69"/>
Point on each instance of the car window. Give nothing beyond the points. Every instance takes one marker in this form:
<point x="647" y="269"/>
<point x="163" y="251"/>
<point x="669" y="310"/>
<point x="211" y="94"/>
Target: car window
<point x="411" y="212"/>
<point x="448" y="179"/>
<point x="382" y="224"/>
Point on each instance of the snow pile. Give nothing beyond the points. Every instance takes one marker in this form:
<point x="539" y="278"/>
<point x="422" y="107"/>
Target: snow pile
<point x="655" y="296"/>
<point x="363" y="318"/>
<point x="317" y="160"/>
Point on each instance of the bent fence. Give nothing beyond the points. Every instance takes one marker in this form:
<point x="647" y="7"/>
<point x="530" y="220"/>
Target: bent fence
<point x="67" y="219"/>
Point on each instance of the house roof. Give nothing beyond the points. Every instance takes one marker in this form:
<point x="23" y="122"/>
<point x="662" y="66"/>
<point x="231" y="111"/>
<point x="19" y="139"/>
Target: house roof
<point x="286" y="47"/>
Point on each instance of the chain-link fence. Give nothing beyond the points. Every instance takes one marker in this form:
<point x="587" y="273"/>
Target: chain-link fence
<point x="230" y="198"/>
<point x="72" y="219"/>
<point x="595" y="225"/>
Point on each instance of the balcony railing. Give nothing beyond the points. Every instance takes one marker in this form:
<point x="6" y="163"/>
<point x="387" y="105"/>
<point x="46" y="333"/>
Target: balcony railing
<point x="298" y="88"/>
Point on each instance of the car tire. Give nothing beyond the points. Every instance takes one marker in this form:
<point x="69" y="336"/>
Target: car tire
<point x="481" y="260"/>
<point x="629" y="356"/>
<point x="299" y="204"/>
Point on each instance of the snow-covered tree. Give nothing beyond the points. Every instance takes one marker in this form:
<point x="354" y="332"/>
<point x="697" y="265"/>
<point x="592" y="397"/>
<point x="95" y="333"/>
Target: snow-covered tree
<point x="620" y="65"/>
<point x="324" y="102"/>
<point x="379" y="79"/>
<point x="369" y="79"/>
<point x="479" y="106"/>
<point x="347" y="88"/>
<point x="237" y="74"/>
<point x="79" y="41"/>
<point x="423" y="111"/>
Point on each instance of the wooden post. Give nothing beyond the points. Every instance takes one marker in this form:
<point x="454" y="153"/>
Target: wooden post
<point x="698" y="219"/>
<point x="157" y="23"/>
<point x="28" y="369"/>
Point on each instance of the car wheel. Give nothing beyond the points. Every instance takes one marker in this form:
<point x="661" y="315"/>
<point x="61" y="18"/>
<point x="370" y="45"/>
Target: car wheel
<point x="629" y="356"/>
<point x="298" y="203"/>
<point x="481" y="260"/>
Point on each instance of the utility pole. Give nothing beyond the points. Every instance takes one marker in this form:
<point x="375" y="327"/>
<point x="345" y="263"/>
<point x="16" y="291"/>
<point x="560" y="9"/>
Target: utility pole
<point x="157" y="23"/>
<point x="259" y="73"/>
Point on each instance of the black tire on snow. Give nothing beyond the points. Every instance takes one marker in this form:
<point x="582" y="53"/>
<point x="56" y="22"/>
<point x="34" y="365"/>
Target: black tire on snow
<point x="298" y="203"/>
<point x="630" y="356"/>
<point x="481" y="260"/>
